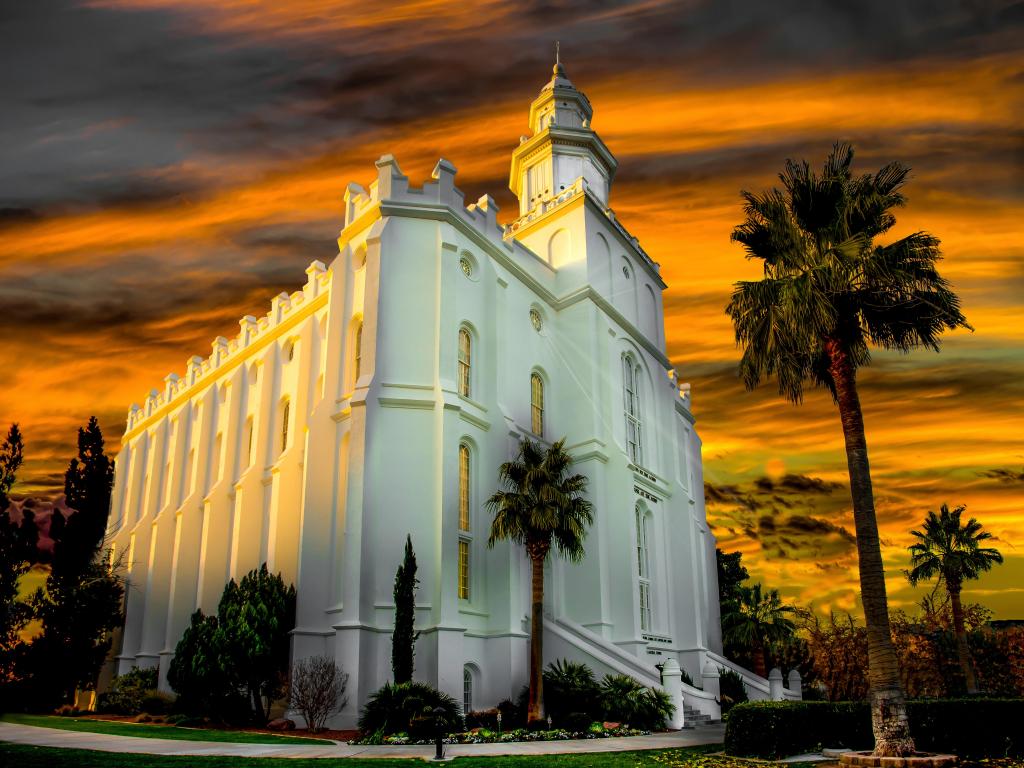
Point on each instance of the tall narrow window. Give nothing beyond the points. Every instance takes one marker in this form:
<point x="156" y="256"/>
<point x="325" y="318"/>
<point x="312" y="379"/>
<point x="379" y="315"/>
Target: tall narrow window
<point x="643" y="569"/>
<point x="630" y="382"/>
<point x="357" y="353"/>
<point x="537" y="404"/>
<point x="285" y="414"/>
<point x="464" y="487"/>
<point x="215" y="461"/>
<point x="248" y="446"/>
<point x="465" y="351"/>
<point x="463" y="569"/>
<point x="467" y="690"/>
<point x="190" y="472"/>
<point x="464" y="521"/>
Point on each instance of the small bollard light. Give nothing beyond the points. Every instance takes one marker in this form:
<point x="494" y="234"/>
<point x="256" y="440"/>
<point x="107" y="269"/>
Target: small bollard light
<point x="549" y="722"/>
<point x="438" y="747"/>
<point x="499" y="724"/>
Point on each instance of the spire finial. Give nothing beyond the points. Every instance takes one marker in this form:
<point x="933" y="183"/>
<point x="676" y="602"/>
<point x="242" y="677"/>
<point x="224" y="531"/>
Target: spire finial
<point x="558" y="69"/>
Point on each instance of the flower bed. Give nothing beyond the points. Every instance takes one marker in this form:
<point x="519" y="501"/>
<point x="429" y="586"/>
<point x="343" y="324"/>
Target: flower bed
<point x="487" y="736"/>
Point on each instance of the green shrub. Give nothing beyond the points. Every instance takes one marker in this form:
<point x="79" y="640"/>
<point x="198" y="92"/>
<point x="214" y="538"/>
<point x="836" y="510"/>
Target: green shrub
<point x="685" y="677"/>
<point x="578" y="722"/>
<point x="126" y="692"/>
<point x="512" y="715"/>
<point x="570" y="687"/>
<point x="731" y="689"/>
<point x="968" y="728"/>
<point x="393" y="708"/>
<point x="157" y="703"/>
<point x="625" y="700"/>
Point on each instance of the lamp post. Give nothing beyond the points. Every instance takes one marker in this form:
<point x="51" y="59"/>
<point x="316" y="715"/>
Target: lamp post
<point x="438" y="747"/>
<point x="499" y="724"/>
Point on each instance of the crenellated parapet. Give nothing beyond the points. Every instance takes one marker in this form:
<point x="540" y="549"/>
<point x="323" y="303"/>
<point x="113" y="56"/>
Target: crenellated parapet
<point x="225" y="351"/>
<point x="392" y="187"/>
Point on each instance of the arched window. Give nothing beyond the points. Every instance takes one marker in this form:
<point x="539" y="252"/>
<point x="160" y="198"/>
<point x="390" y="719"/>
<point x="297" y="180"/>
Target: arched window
<point x="286" y="409"/>
<point x="465" y="354"/>
<point x="464" y="487"/>
<point x="643" y="568"/>
<point x="631" y="395"/>
<point x="357" y="352"/>
<point x="467" y="690"/>
<point x="537" y="404"/>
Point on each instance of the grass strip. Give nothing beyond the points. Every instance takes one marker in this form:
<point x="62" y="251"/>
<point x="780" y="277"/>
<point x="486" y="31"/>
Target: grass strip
<point x="150" y="731"/>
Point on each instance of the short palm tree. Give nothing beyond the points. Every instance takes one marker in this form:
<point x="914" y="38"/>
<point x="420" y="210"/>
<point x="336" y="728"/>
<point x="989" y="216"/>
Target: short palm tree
<point x="828" y="293"/>
<point x="760" y="618"/>
<point x="539" y="505"/>
<point x="951" y="551"/>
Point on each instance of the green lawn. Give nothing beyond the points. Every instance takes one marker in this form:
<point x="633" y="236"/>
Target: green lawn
<point x="153" y="731"/>
<point x="49" y="757"/>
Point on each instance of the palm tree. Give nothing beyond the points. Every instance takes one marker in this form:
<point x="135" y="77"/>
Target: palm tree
<point x="540" y="505"/>
<point x="951" y="551"/>
<point x="759" y="619"/>
<point x="828" y="293"/>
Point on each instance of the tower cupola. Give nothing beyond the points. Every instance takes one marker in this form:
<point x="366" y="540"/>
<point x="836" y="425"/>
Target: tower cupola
<point x="562" y="146"/>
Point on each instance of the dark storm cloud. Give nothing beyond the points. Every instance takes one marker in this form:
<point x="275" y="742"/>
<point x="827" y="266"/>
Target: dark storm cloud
<point x="105" y="100"/>
<point x="1004" y="475"/>
<point x="787" y="517"/>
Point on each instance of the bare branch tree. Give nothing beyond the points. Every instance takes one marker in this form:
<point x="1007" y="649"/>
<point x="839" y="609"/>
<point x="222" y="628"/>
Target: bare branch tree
<point x="318" y="690"/>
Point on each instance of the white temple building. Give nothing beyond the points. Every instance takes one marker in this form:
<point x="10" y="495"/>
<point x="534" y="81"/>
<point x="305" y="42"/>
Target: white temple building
<point x="380" y="399"/>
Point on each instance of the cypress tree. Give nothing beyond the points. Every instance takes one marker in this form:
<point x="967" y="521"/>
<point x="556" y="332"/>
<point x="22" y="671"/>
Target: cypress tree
<point x="403" y="640"/>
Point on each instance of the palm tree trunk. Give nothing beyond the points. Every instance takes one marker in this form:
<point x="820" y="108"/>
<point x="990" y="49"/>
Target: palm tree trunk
<point x="961" y="638"/>
<point x="760" y="668"/>
<point x="534" y="709"/>
<point x="888" y="706"/>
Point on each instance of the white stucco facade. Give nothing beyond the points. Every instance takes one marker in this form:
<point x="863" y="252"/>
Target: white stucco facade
<point x="345" y="418"/>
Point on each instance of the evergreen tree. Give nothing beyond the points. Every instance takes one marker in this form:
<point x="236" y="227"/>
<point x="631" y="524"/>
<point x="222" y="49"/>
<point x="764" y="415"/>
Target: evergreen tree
<point x="254" y="618"/>
<point x="81" y="604"/>
<point x="88" y="482"/>
<point x="17" y="550"/>
<point x="403" y="639"/>
<point x="197" y="675"/>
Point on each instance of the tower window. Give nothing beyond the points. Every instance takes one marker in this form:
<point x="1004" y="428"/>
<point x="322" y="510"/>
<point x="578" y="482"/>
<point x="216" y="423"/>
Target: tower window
<point x="464" y="487"/>
<point x="631" y="396"/>
<point x="285" y="415"/>
<point x="463" y="569"/>
<point x="537" y="404"/>
<point x="643" y="568"/>
<point x="465" y="355"/>
<point x="249" y="435"/>
<point x="357" y="352"/>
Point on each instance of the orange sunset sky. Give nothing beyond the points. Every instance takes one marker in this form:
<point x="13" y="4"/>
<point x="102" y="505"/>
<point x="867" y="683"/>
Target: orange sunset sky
<point x="167" y="167"/>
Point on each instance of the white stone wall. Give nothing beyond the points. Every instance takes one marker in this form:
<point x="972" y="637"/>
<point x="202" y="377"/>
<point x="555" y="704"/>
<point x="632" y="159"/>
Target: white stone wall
<point x="374" y="457"/>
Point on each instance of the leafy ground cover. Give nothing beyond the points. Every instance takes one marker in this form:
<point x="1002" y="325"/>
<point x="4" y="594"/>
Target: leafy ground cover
<point x="118" y="728"/>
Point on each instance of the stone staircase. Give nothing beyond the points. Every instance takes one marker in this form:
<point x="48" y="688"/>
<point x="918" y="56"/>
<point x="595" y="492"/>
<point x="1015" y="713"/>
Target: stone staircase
<point x="692" y="718"/>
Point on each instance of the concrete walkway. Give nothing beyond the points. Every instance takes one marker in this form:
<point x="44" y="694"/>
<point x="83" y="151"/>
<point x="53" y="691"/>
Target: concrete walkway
<point x="104" y="742"/>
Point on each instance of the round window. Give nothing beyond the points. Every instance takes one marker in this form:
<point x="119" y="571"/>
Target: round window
<point x="467" y="268"/>
<point x="535" y="320"/>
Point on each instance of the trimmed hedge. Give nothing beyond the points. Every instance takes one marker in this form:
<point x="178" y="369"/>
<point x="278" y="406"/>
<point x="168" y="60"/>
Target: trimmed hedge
<point x="969" y="728"/>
